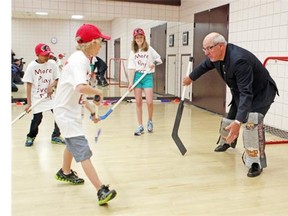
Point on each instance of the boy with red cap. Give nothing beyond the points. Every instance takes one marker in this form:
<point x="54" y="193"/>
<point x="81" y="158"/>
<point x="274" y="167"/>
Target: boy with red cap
<point x="41" y="77"/>
<point x="70" y="96"/>
<point x="142" y="58"/>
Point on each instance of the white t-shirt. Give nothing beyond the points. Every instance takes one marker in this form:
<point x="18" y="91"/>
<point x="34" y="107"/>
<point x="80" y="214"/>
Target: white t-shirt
<point x="142" y="60"/>
<point x="41" y="76"/>
<point x="68" y="101"/>
<point x="60" y="63"/>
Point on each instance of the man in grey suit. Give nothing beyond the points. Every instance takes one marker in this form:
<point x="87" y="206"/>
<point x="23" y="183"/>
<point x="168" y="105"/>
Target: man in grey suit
<point x="253" y="91"/>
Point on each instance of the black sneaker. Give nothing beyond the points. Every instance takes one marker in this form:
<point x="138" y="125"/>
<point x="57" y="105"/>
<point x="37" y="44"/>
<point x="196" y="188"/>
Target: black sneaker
<point x="71" y="178"/>
<point x="29" y="141"/>
<point x="104" y="194"/>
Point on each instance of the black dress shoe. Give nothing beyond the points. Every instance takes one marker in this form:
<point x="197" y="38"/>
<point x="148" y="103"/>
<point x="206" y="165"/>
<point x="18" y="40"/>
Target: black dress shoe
<point x="233" y="145"/>
<point x="255" y="170"/>
<point x="222" y="148"/>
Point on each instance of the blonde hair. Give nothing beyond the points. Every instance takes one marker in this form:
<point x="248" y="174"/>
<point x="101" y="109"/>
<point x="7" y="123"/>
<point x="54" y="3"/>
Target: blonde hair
<point x="85" y="46"/>
<point x="135" y="48"/>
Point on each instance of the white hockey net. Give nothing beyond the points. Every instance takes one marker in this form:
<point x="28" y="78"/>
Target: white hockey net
<point x="277" y="64"/>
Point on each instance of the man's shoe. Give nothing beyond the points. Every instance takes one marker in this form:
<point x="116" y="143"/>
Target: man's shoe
<point x="104" y="194"/>
<point x="29" y="141"/>
<point x="255" y="170"/>
<point x="222" y="148"/>
<point x="233" y="145"/>
<point x="71" y="178"/>
<point x="57" y="140"/>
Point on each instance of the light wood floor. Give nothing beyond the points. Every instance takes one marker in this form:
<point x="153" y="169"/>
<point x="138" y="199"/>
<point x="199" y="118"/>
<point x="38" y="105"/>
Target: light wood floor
<point x="148" y="172"/>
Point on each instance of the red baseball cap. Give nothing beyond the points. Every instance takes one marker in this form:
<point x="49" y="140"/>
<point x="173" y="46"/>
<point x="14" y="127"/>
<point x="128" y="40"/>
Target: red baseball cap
<point x="138" y="31"/>
<point x="89" y="32"/>
<point x="42" y="49"/>
<point x="61" y="55"/>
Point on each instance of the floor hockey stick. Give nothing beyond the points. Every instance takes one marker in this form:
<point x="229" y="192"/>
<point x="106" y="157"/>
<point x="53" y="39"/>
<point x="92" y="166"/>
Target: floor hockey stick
<point x="103" y="117"/>
<point x="175" y="130"/>
<point x="97" y="99"/>
<point x="24" y="113"/>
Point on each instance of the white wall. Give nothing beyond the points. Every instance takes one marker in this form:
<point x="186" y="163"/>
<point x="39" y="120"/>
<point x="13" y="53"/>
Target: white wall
<point x="27" y="33"/>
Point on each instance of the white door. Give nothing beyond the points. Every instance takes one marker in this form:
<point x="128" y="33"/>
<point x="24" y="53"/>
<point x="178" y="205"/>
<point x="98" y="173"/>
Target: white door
<point x="184" y="67"/>
<point x="171" y="75"/>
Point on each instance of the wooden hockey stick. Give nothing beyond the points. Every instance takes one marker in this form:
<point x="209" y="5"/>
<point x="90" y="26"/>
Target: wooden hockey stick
<point x="175" y="130"/>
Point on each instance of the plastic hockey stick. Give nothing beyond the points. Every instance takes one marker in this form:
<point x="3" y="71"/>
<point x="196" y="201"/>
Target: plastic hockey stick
<point x="103" y="117"/>
<point x="24" y="113"/>
<point x="175" y="130"/>
<point x="97" y="99"/>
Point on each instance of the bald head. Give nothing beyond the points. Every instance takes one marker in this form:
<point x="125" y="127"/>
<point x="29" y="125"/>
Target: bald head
<point x="214" y="46"/>
<point x="214" y="38"/>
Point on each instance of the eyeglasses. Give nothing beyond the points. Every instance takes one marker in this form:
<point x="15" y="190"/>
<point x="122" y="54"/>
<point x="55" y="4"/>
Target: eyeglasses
<point x="208" y="49"/>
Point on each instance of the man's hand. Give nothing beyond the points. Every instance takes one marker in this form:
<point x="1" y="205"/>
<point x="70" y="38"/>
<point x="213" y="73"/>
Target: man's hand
<point x="233" y="130"/>
<point x="186" y="81"/>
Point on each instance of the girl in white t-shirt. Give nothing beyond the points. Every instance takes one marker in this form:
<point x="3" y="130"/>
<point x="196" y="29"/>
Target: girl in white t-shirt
<point x="142" y="58"/>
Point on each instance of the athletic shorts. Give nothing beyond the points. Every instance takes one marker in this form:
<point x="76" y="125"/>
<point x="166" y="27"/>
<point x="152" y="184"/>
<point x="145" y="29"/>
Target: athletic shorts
<point x="146" y="82"/>
<point x="79" y="148"/>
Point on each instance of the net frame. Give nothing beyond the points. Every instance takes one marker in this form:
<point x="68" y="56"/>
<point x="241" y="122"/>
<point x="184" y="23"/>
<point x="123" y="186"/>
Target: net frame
<point x="280" y="136"/>
<point x="117" y="64"/>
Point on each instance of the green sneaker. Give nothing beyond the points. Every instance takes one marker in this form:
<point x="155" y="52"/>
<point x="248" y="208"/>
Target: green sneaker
<point x="57" y="140"/>
<point x="105" y="195"/>
<point x="29" y="141"/>
<point x="71" y="178"/>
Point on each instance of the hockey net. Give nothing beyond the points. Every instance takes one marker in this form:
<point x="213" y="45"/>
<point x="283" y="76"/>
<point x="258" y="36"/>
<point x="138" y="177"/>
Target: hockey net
<point x="275" y="135"/>
<point x="117" y="73"/>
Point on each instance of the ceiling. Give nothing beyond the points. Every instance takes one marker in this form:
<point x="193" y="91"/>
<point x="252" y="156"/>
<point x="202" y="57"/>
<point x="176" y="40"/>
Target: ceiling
<point x="164" y="2"/>
<point x="31" y="15"/>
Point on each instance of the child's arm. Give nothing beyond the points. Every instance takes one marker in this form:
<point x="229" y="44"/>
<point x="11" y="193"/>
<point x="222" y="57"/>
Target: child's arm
<point x="51" y="87"/>
<point x="88" y="90"/>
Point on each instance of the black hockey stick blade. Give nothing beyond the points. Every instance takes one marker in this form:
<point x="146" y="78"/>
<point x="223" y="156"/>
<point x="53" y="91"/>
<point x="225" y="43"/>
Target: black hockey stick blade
<point x="178" y="118"/>
<point x="175" y="135"/>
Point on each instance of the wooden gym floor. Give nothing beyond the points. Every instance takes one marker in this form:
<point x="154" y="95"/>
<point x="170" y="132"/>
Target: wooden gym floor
<point x="148" y="172"/>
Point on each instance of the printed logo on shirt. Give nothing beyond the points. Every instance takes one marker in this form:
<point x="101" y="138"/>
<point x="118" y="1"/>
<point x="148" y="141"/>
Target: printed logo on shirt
<point x="141" y="59"/>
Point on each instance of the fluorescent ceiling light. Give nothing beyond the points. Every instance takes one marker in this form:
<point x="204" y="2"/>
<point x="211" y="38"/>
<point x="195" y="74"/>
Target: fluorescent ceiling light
<point x="42" y="13"/>
<point x="76" y="16"/>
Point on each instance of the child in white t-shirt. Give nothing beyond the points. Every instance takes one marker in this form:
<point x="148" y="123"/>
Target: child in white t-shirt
<point x="41" y="77"/>
<point x="143" y="58"/>
<point x="70" y="96"/>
